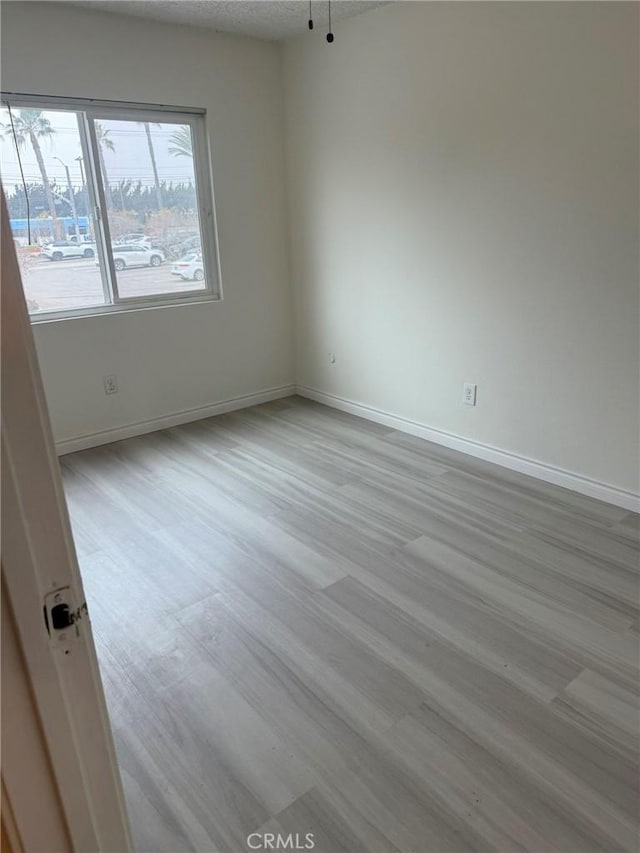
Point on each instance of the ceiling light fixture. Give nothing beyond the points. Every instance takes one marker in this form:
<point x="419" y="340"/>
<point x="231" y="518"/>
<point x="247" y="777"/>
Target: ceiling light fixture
<point x="329" y="34"/>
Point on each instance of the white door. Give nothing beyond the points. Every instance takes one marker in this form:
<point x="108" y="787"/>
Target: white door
<point x="70" y="731"/>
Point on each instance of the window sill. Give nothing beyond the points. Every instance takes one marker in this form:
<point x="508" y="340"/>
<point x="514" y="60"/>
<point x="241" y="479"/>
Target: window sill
<point x="121" y="308"/>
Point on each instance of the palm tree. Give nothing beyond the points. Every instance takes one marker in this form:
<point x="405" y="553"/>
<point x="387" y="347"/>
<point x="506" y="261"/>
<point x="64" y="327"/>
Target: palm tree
<point x="152" y="155"/>
<point x="32" y="126"/>
<point x="180" y="144"/>
<point x="105" y="143"/>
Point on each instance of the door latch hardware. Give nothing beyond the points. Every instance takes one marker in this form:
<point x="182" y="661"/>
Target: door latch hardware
<point x="61" y="617"/>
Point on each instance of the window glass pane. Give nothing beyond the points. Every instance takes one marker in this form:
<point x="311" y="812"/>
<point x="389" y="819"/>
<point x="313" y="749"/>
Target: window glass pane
<point x="152" y="206"/>
<point x="59" y="270"/>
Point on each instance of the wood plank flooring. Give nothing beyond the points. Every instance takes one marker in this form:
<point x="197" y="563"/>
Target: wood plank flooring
<point x="308" y="623"/>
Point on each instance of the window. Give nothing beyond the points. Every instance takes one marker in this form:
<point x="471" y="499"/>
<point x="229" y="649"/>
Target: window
<point x="115" y="210"/>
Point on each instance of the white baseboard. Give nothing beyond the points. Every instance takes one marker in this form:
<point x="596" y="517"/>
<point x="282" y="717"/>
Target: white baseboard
<point x="522" y="464"/>
<point x="94" y="439"/>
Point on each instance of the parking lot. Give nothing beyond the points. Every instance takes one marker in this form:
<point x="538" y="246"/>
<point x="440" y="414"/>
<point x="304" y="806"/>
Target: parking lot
<point x="75" y="283"/>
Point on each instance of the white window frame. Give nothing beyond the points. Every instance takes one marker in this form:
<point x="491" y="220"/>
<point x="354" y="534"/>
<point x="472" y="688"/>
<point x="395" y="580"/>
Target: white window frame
<point x="90" y="111"/>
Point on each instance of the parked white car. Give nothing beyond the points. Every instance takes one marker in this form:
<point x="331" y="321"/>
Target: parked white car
<point x="61" y="249"/>
<point x="189" y="268"/>
<point x="136" y="256"/>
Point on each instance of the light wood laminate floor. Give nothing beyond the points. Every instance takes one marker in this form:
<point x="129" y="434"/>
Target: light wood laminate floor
<point x="309" y="623"/>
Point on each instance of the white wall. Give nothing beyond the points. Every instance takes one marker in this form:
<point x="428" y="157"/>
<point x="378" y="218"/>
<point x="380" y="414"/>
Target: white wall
<point x="463" y="205"/>
<point x="463" y="183"/>
<point x="171" y="359"/>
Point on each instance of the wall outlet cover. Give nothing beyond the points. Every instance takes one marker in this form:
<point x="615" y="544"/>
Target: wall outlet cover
<point x="469" y="393"/>
<point x="110" y="384"/>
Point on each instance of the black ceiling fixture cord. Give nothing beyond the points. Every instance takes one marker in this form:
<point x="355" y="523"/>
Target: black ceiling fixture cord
<point x="329" y="34"/>
<point x="24" y="183"/>
<point x="310" y="17"/>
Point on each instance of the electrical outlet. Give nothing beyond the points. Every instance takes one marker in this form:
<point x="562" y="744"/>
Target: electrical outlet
<point x="110" y="384"/>
<point x="469" y="391"/>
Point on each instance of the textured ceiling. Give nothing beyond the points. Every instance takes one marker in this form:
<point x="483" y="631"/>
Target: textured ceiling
<point x="269" y="19"/>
